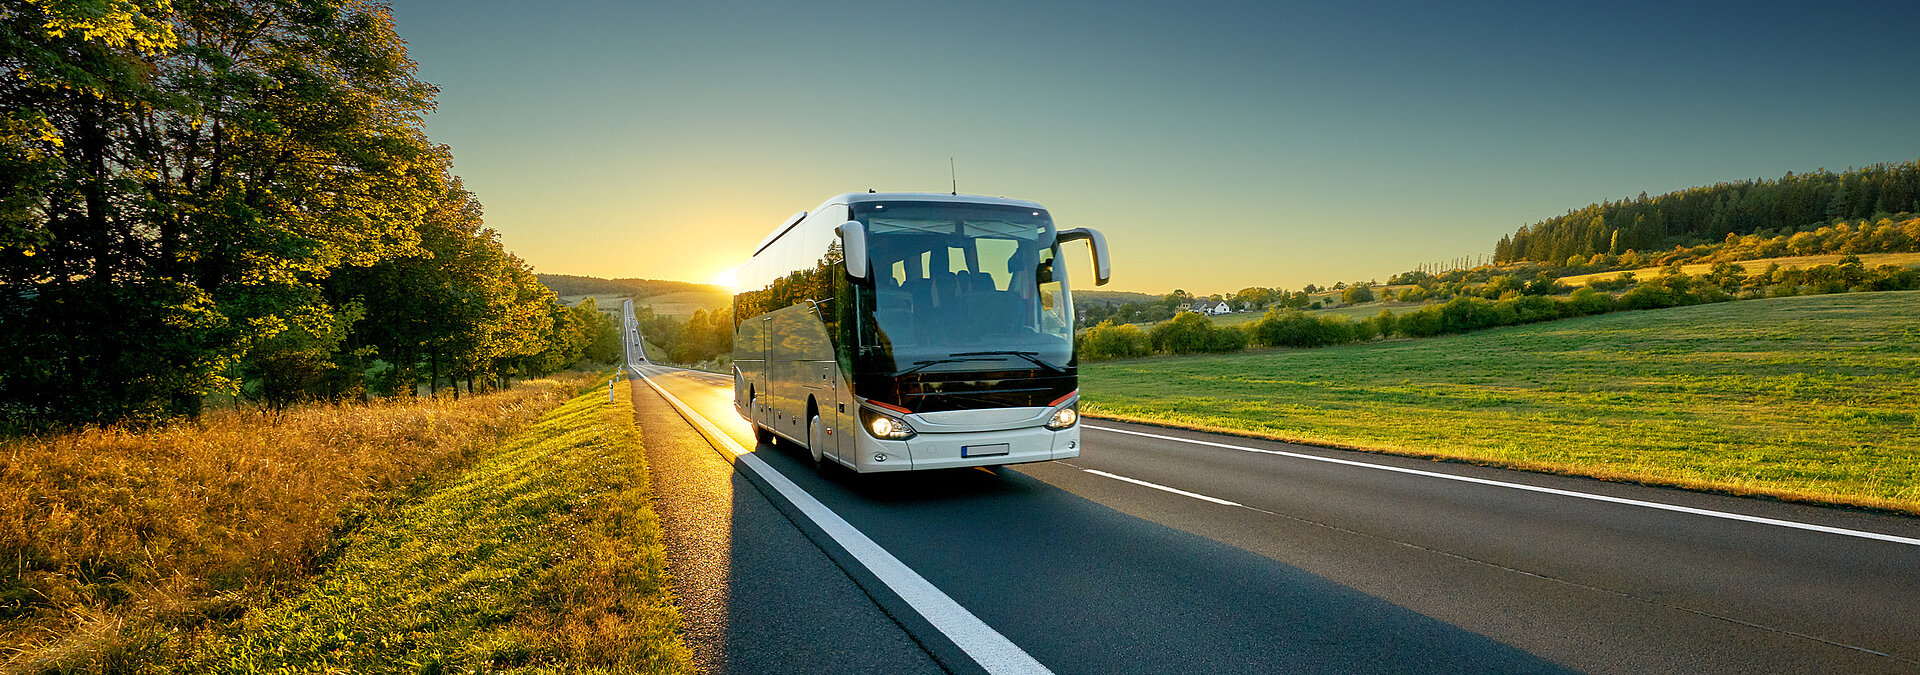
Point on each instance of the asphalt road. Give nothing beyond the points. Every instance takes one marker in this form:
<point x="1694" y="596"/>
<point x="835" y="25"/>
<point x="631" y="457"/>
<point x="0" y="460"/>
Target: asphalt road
<point x="1153" y="554"/>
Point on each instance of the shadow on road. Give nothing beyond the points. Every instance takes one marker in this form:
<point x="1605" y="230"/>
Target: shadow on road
<point x="1087" y="589"/>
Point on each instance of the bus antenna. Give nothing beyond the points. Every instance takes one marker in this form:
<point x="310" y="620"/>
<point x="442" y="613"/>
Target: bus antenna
<point x="955" y="175"/>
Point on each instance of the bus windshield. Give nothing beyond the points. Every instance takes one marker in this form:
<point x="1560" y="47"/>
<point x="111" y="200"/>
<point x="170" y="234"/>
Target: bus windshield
<point x="963" y="287"/>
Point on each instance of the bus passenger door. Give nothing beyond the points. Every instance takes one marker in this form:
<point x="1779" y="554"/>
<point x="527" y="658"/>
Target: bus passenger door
<point x="827" y="397"/>
<point x="763" y="380"/>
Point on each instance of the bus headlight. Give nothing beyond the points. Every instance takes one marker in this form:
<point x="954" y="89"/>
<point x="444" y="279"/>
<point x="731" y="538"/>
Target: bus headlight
<point x="884" y="426"/>
<point x="1064" y="417"/>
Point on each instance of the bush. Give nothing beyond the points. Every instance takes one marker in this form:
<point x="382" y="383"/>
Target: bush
<point x="1622" y="281"/>
<point x="1424" y="322"/>
<point x="1294" y="329"/>
<point x="1650" y="295"/>
<point x="1467" y="313"/>
<point x="1364" y="330"/>
<point x="1532" y="308"/>
<point x="1191" y="333"/>
<point x="1227" y="339"/>
<point x="1108" y="341"/>
<point x="1586" y="301"/>
<point x="1383" y="322"/>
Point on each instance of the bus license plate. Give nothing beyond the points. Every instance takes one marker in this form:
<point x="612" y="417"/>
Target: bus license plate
<point x="985" y="450"/>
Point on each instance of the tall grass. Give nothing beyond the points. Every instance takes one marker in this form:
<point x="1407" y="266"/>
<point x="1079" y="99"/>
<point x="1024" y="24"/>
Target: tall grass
<point x="544" y="556"/>
<point x="115" y="538"/>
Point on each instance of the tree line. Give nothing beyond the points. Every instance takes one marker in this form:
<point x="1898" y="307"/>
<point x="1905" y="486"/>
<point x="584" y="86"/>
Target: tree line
<point x="568" y="284"/>
<point x="1252" y="298"/>
<point x="239" y="198"/>
<point x="1709" y="214"/>
<point x="702" y="339"/>
<point x="1191" y="333"/>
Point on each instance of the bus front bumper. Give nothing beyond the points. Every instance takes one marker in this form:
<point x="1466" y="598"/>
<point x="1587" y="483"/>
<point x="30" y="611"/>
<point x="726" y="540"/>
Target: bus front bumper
<point x="976" y="448"/>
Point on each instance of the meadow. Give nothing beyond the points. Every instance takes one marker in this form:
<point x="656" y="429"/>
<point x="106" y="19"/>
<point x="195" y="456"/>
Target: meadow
<point x="131" y="549"/>
<point x="1808" y="398"/>
<point x="677" y="304"/>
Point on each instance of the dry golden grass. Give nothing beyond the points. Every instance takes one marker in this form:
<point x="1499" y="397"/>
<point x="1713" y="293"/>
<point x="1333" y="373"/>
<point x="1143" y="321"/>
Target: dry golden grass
<point x="543" y="555"/>
<point x="1870" y="260"/>
<point x="110" y="534"/>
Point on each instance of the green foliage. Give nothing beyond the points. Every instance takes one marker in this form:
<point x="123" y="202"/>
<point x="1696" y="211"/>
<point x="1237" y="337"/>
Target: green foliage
<point x="1586" y="300"/>
<point x="1423" y="322"/>
<point x="225" y="198"/>
<point x="1191" y="333"/>
<point x="1722" y="212"/>
<point x="704" y="337"/>
<point x="1108" y="341"/>
<point x="1292" y="328"/>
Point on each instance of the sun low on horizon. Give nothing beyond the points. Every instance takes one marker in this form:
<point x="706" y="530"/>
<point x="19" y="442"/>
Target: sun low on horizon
<point x="726" y="279"/>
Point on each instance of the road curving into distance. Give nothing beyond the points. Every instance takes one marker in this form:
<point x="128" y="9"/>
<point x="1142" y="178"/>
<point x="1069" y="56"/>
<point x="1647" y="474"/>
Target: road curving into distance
<point x="1162" y="551"/>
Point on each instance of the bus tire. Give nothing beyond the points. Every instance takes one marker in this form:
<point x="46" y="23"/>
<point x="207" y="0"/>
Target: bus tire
<point x="816" y="437"/>
<point x="763" y="435"/>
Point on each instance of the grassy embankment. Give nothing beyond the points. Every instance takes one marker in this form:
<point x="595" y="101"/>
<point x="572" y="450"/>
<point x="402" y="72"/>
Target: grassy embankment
<point x="1808" y="398"/>
<point x="349" y="538"/>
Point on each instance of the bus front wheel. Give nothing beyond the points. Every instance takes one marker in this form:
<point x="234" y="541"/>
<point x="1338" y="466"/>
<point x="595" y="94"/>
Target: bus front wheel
<point x="763" y="435"/>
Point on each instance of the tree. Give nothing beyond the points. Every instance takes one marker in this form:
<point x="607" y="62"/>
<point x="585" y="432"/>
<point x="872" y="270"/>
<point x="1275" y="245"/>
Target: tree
<point x="1189" y="333"/>
<point x="236" y="197"/>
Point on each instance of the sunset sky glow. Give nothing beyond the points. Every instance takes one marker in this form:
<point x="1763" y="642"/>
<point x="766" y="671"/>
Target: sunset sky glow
<point x="1217" y="145"/>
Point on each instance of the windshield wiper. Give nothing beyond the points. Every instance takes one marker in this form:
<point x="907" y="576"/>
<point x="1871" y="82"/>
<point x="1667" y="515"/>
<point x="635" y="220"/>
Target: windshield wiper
<point x="1030" y="356"/>
<point x="920" y="365"/>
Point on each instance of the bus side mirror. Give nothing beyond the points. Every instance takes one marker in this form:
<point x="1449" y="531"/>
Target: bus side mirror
<point x="853" y="247"/>
<point x="1102" y="273"/>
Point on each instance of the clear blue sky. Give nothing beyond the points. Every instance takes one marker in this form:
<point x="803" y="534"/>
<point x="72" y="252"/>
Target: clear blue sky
<point x="1218" y="145"/>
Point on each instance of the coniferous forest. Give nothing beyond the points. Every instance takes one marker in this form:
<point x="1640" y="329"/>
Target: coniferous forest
<point x="1708" y="214"/>
<point x="238" y="198"/>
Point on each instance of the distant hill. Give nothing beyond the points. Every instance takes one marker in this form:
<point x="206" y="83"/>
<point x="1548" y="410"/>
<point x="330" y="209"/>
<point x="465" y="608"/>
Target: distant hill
<point x="1705" y="215"/>
<point x="567" y="284"/>
<point x="1085" y="298"/>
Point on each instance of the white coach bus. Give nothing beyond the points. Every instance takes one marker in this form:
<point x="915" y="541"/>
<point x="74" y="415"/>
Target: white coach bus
<point x="902" y="331"/>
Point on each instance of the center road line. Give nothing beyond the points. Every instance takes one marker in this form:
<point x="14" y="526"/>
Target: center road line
<point x="986" y="646"/>
<point x="1532" y="488"/>
<point x="1158" y="486"/>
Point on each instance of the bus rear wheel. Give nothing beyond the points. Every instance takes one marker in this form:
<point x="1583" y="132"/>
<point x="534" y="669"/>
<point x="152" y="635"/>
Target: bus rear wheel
<point x="816" y="438"/>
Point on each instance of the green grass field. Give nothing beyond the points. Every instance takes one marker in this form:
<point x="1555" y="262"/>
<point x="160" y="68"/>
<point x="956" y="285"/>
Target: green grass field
<point x="679" y="304"/>
<point x="683" y="304"/>
<point x="1802" y="398"/>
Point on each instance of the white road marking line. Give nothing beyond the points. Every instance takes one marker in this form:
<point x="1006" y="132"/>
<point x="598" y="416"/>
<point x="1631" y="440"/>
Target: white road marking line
<point x="1531" y="488"/>
<point x="1157" y="486"/>
<point x="981" y="642"/>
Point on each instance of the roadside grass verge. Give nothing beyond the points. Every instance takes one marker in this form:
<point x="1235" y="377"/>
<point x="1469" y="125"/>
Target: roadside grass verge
<point x="124" y="546"/>
<point x="1805" y="398"/>
<point x="544" y="557"/>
